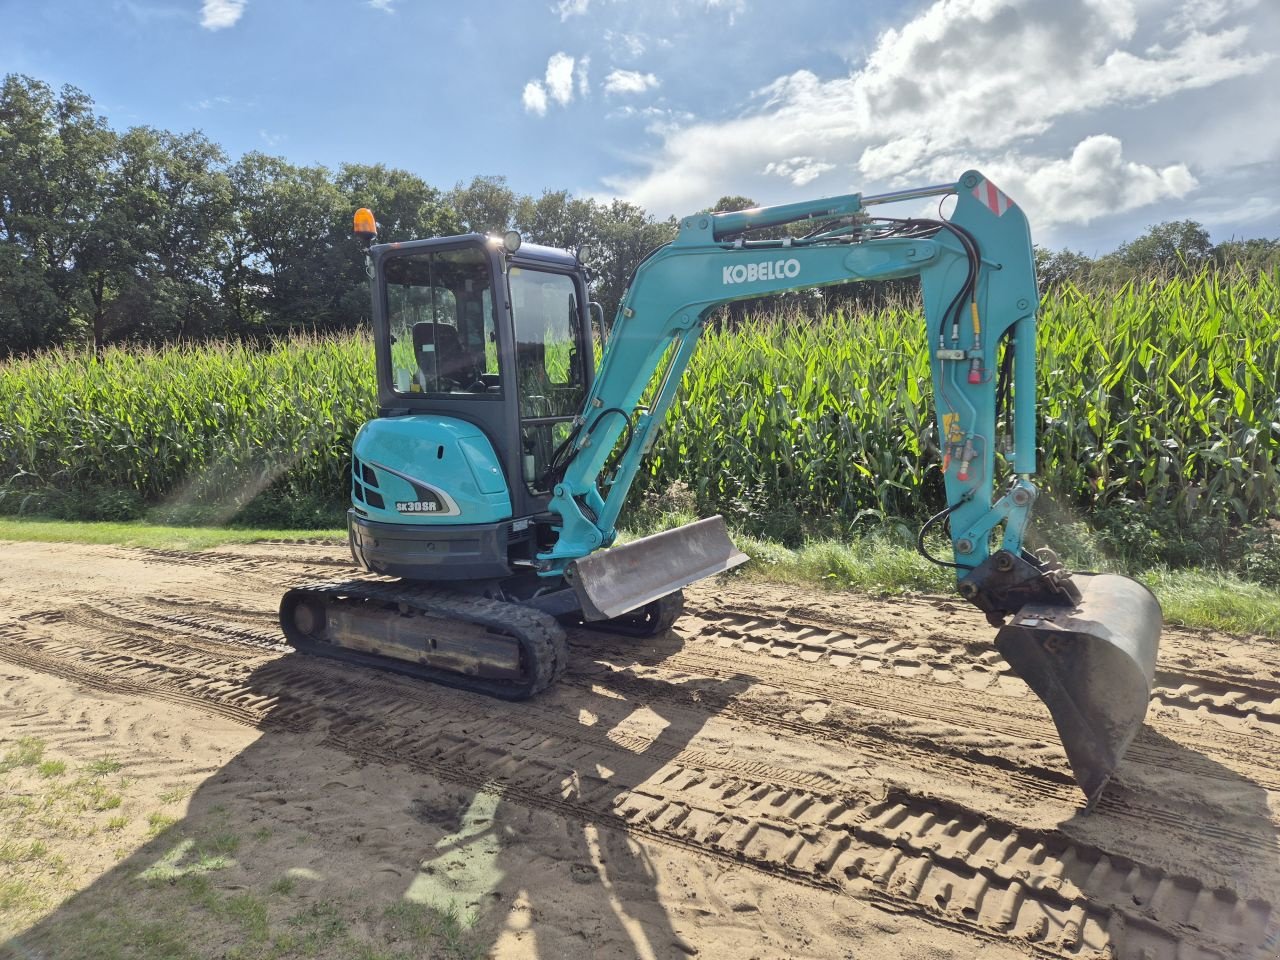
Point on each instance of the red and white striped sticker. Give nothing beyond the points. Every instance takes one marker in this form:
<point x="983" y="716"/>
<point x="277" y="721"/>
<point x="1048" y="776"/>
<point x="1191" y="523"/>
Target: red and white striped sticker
<point x="988" y="193"/>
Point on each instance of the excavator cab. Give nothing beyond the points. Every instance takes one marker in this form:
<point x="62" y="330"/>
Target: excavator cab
<point x="483" y="358"/>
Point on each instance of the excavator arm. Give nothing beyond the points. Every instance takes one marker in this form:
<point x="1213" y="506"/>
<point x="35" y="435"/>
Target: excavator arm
<point x="978" y="285"/>
<point x="1086" y="645"/>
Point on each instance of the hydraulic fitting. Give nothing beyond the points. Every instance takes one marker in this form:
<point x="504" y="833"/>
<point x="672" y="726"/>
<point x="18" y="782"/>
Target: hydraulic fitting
<point x="966" y="458"/>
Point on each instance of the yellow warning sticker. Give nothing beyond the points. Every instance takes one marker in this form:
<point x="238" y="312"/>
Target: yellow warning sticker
<point x="951" y="427"/>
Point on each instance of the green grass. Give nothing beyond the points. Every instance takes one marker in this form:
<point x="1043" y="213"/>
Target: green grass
<point x="1221" y="601"/>
<point x="27" y="752"/>
<point x="157" y="823"/>
<point x="1202" y="598"/>
<point x="12" y="852"/>
<point x="182" y="896"/>
<point x="19" y="895"/>
<point x="154" y="536"/>
<point x="869" y="565"/>
<point x="103" y="766"/>
<point x="1194" y="598"/>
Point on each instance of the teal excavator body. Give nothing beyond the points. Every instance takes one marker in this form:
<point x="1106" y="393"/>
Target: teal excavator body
<point x="493" y="479"/>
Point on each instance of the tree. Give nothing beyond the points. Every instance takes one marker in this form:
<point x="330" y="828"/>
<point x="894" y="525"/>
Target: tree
<point x="1167" y="247"/>
<point x="733" y="204"/>
<point x="624" y="234"/>
<point x="166" y="217"/>
<point x="406" y="206"/>
<point x="1248" y="255"/>
<point x="1055" y="268"/>
<point x="486" y="205"/>
<point x="289" y="223"/>
<point x="557" y="219"/>
<point x="54" y="151"/>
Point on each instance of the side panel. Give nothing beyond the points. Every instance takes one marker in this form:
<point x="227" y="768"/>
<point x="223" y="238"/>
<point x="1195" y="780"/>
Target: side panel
<point x="427" y="470"/>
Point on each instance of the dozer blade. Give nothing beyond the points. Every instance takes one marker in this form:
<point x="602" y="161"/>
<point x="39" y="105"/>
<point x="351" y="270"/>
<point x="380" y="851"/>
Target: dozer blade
<point x="1093" y="665"/>
<point x="612" y="582"/>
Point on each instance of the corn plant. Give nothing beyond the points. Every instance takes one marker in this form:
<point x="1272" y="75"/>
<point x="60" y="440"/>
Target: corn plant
<point x="1164" y="393"/>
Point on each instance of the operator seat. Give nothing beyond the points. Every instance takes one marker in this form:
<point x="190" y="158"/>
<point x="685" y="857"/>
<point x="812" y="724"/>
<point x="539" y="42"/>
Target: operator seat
<point x="452" y="362"/>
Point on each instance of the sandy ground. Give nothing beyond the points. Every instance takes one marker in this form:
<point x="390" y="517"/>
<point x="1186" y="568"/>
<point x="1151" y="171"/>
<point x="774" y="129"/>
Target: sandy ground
<point x="786" y="774"/>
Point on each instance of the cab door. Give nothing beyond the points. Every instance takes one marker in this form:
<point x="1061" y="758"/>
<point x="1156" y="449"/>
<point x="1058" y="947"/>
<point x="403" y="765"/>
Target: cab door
<point x="552" y="357"/>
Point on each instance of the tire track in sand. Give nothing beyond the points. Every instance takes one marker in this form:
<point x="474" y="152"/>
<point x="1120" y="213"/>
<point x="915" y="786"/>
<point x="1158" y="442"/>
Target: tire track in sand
<point x="952" y="864"/>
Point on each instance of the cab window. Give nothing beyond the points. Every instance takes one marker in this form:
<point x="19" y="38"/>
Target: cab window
<point x="440" y="323"/>
<point x="547" y="319"/>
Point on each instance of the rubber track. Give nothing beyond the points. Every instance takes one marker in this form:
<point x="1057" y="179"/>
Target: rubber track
<point x="540" y="637"/>
<point x="911" y="852"/>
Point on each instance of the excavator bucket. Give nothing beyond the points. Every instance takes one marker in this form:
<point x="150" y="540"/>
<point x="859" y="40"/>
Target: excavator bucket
<point x="1093" y="665"/>
<point x="612" y="582"/>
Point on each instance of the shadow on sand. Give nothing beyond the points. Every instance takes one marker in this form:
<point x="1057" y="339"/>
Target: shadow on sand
<point x="1192" y="853"/>
<point x="377" y="818"/>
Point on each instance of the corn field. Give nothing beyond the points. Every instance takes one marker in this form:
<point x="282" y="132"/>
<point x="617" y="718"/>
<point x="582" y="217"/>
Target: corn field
<point x="1164" y="394"/>
<point x="209" y="426"/>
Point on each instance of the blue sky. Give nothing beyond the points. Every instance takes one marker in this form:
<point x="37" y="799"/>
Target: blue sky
<point x="1099" y="116"/>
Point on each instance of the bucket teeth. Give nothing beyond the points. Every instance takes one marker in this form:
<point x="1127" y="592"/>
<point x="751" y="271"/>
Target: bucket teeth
<point x="1093" y="665"/>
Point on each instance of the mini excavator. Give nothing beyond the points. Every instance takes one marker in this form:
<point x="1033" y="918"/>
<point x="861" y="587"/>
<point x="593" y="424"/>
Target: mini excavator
<point x="486" y="493"/>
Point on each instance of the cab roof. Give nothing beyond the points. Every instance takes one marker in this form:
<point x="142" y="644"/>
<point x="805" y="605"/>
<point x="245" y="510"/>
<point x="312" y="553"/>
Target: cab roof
<point x="528" y="252"/>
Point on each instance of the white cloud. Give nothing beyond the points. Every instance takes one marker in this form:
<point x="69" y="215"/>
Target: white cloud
<point x="563" y="71"/>
<point x="799" y="170"/>
<point x="219" y="14"/>
<point x="630" y="46"/>
<point x="1251" y="209"/>
<point x="659" y="119"/>
<point x="629" y="81"/>
<point x="1201" y="14"/>
<point x="967" y="82"/>
<point x="734" y="7"/>
<point x="559" y="78"/>
<point x="535" y="98"/>
<point x="571" y="8"/>
<point x="1094" y="181"/>
<point x="386" y="6"/>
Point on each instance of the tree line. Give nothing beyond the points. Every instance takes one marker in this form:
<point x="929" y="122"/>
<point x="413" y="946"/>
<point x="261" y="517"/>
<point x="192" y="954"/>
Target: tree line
<point x="151" y="236"/>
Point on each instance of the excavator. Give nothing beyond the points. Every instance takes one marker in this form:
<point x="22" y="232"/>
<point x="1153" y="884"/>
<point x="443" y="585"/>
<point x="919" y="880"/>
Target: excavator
<point x="486" y="494"/>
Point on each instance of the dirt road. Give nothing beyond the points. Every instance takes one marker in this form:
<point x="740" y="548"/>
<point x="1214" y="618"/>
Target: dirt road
<point x="787" y="774"/>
